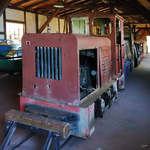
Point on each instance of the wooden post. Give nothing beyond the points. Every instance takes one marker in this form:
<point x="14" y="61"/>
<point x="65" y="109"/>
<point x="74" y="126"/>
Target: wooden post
<point x="70" y="25"/>
<point x="25" y="24"/>
<point x="58" y="24"/>
<point x="64" y="25"/>
<point x="4" y="17"/>
<point x="37" y="23"/>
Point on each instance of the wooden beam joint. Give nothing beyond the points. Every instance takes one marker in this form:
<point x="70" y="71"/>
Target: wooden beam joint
<point x="48" y="21"/>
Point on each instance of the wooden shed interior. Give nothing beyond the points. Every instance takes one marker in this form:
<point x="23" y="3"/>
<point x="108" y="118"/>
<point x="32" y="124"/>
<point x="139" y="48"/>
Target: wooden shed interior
<point x="137" y="16"/>
<point x="73" y="83"/>
<point x="126" y="8"/>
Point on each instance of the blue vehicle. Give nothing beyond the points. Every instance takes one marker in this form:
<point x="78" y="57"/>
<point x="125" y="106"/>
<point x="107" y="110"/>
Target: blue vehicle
<point x="10" y="57"/>
<point x="128" y="59"/>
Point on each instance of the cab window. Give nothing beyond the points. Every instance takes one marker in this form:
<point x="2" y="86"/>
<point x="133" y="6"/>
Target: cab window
<point x="102" y="26"/>
<point x="80" y="25"/>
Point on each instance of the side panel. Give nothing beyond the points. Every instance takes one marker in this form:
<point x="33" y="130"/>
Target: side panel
<point x="64" y="90"/>
<point x="106" y="66"/>
<point x="117" y="58"/>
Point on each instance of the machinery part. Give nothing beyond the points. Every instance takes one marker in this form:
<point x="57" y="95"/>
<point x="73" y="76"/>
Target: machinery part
<point x="88" y="71"/>
<point x="107" y="98"/>
<point x="39" y="121"/>
<point x="99" y="108"/>
<point x="102" y="105"/>
<point x="93" y="97"/>
<point x="121" y="82"/>
<point x="115" y="90"/>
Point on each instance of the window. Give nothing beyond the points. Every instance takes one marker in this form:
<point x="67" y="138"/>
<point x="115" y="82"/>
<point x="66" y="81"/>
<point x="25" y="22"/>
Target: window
<point x="80" y="25"/>
<point x="148" y="43"/>
<point x="102" y="26"/>
<point x="14" y="32"/>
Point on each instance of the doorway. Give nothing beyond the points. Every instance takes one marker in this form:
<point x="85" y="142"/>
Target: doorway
<point x="148" y="44"/>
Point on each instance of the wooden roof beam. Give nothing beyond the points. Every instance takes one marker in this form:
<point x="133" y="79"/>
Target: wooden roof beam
<point x="48" y="21"/>
<point x="74" y="12"/>
<point x="21" y="2"/>
<point x="145" y="3"/>
<point x="141" y="10"/>
<point x="141" y="28"/>
<point x="36" y="3"/>
<point x="80" y="7"/>
<point x="46" y="10"/>
<point x="77" y="2"/>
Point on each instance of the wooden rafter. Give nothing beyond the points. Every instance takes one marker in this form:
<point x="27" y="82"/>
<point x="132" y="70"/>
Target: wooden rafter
<point x="21" y="2"/>
<point x="36" y="3"/>
<point x="132" y="11"/>
<point x="48" y="21"/>
<point x="66" y="6"/>
<point x="78" y="8"/>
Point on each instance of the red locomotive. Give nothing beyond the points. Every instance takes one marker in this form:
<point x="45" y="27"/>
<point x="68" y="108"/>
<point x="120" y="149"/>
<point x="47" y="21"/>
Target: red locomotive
<point x="70" y="77"/>
<point x="71" y="74"/>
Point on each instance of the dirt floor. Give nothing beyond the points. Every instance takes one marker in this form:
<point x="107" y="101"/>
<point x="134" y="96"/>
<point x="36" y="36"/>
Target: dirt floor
<point x="125" y="126"/>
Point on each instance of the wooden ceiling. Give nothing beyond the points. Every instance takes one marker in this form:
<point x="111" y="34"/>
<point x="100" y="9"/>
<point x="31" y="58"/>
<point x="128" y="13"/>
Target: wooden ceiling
<point x="132" y="10"/>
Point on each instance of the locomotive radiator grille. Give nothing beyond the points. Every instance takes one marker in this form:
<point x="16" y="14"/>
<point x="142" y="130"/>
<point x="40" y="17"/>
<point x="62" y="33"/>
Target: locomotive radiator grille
<point x="48" y="63"/>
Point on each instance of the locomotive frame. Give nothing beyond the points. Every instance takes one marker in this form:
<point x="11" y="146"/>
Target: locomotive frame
<point x="68" y="81"/>
<point x="56" y="87"/>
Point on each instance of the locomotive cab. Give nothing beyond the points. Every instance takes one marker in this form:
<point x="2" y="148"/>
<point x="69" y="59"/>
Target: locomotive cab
<point x="104" y="25"/>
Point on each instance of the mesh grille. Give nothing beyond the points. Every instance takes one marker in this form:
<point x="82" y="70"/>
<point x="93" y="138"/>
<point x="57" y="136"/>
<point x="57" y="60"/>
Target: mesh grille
<point x="48" y="63"/>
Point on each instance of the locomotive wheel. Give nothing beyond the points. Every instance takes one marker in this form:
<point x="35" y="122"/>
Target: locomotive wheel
<point x="99" y="108"/>
<point x="102" y="106"/>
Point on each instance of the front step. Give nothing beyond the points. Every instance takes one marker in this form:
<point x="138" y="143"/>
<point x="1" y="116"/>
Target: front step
<point x="36" y="124"/>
